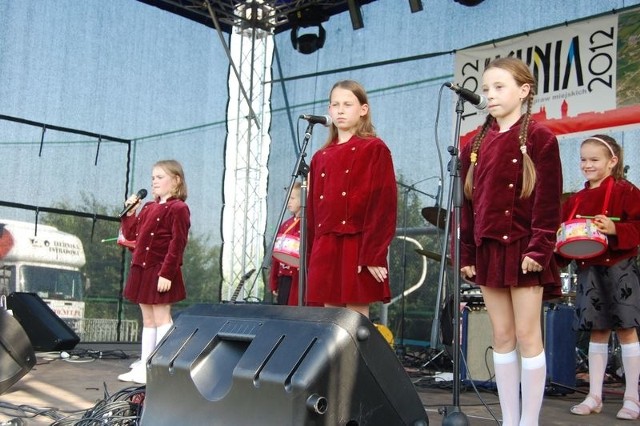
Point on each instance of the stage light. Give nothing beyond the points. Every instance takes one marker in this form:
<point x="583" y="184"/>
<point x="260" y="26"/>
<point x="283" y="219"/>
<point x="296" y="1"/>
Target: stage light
<point x="309" y="17"/>
<point x="415" y="5"/>
<point x="355" y="14"/>
<point x="469" y="2"/>
<point x="309" y="42"/>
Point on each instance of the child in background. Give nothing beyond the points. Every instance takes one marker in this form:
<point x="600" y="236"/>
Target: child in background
<point x="283" y="277"/>
<point x="608" y="293"/>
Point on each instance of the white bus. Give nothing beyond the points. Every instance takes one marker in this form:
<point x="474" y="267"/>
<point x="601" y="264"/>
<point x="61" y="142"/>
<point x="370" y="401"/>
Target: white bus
<point x="47" y="264"/>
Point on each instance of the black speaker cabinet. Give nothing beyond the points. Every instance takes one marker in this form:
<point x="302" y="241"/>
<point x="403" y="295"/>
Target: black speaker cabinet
<point x="45" y="329"/>
<point x="277" y="365"/>
<point x="16" y="353"/>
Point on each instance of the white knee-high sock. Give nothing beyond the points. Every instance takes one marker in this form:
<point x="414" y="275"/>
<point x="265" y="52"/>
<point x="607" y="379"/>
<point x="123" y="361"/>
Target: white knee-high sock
<point x="598" y="355"/>
<point x="508" y="382"/>
<point x="534" y="378"/>
<point x="148" y="342"/>
<point x="162" y="330"/>
<point x="631" y="364"/>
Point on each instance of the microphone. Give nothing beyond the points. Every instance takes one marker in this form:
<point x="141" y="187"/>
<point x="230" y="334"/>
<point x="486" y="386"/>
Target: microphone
<point x="474" y="99"/>
<point x="325" y="120"/>
<point x="139" y="196"/>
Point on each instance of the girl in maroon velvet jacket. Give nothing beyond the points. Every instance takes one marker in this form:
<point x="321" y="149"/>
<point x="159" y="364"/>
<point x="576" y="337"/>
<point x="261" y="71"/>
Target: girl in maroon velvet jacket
<point x="155" y="279"/>
<point x="351" y="207"/>
<point x="508" y="230"/>
<point x="608" y="293"/>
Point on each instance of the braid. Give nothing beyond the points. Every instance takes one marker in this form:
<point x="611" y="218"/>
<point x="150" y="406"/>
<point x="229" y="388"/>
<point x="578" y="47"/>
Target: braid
<point x="528" y="168"/>
<point x="475" y="147"/>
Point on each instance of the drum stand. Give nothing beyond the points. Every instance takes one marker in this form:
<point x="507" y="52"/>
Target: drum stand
<point x="301" y="169"/>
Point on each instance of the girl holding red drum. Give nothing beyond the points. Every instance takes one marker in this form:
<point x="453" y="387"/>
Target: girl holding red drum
<point x="608" y="293"/>
<point x="283" y="277"/>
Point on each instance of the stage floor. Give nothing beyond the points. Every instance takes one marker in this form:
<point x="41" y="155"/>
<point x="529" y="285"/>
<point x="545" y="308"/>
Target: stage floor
<point x="56" y="388"/>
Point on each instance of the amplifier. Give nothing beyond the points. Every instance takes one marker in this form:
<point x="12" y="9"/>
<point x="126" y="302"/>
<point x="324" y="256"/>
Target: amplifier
<point x="477" y="337"/>
<point x="559" y="344"/>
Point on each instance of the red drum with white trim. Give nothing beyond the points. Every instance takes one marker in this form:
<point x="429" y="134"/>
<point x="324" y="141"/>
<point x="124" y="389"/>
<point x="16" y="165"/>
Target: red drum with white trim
<point x="580" y="239"/>
<point x="286" y="249"/>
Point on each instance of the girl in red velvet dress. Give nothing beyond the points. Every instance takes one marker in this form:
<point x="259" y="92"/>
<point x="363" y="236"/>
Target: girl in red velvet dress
<point x="608" y="293"/>
<point x="155" y="279"/>
<point x="351" y="207"/>
<point x="509" y="220"/>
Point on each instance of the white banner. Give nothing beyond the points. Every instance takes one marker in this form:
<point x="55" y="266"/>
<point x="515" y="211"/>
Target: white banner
<point x="588" y="74"/>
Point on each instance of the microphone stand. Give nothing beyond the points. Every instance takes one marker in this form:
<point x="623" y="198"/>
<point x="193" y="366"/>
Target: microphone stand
<point x="300" y="169"/>
<point x="453" y="415"/>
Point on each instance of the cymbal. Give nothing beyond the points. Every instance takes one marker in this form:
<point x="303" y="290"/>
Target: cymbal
<point x="435" y="216"/>
<point x="430" y="254"/>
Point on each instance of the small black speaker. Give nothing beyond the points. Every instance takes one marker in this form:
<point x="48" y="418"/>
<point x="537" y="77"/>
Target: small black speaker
<point x="16" y="353"/>
<point x="46" y="331"/>
<point x="277" y="365"/>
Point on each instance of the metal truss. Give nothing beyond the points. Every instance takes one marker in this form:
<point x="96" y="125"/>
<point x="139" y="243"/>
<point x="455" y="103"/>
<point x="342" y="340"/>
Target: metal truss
<point x="247" y="150"/>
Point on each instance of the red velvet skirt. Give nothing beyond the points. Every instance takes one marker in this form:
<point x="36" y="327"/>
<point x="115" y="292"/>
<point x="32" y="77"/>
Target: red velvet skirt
<point x="142" y="287"/>
<point x="499" y="266"/>
<point x="333" y="277"/>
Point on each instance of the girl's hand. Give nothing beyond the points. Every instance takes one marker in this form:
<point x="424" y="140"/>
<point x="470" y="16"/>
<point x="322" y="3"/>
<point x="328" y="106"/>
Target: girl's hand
<point x="604" y="224"/>
<point x="134" y="201"/>
<point x="163" y="284"/>
<point x="378" y="272"/>
<point x="530" y="265"/>
<point x="468" y="271"/>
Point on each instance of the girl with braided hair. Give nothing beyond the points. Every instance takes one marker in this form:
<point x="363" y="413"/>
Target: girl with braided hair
<point x="509" y="220"/>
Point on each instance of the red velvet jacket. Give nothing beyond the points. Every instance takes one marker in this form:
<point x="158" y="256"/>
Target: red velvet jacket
<point x="497" y="212"/>
<point x="624" y="203"/>
<point x="352" y="189"/>
<point x="160" y="232"/>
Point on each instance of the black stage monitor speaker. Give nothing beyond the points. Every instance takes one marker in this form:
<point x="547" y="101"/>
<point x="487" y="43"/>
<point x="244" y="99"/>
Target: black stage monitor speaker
<point x="16" y="353"/>
<point x="45" y="329"/>
<point x="277" y="365"/>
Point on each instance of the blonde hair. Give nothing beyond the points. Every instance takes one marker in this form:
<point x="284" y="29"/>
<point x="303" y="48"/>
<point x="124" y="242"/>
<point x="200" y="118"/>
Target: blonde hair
<point x="365" y="126"/>
<point x="174" y="169"/>
<point x="612" y="149"/>
<point x="522" y="75"/>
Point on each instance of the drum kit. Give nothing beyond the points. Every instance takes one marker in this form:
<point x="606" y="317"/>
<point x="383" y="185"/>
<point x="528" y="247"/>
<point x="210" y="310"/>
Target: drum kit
<point x="469" y="292"/>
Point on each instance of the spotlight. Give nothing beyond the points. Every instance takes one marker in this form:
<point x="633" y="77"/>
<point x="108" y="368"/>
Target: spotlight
<point x="415" y="5"/>
<point x="469" y="2"/>
<point x="312" y="16"/>
<point x="309" y="42"/>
